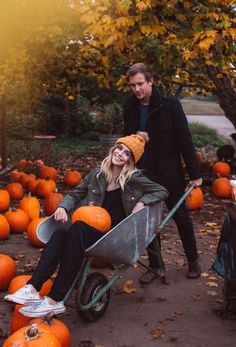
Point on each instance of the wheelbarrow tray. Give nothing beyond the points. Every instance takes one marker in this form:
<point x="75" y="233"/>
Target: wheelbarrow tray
<point x="121" y="245"/>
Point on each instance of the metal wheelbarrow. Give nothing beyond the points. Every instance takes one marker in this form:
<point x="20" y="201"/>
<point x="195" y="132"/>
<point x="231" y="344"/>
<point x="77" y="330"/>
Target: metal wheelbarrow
<point x="121" y="246"/>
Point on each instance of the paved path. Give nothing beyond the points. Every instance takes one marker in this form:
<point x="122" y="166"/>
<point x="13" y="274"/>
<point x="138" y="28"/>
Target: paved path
<point x="220" y="123"/>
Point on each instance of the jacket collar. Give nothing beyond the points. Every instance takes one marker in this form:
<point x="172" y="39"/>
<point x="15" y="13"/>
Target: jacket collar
<point x="155" y="99"/>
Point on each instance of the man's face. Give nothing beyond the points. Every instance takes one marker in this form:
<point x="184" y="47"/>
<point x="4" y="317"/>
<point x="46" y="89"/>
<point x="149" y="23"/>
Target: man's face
<point x="141" y="88"/>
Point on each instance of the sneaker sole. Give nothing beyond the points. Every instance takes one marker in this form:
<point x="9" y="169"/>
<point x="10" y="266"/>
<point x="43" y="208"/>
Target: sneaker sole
<point x="42" y="313"/>
<point x="22" y="302"/>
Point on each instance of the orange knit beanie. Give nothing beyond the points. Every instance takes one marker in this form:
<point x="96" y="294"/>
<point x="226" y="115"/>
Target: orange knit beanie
<point x="136" y="143"/>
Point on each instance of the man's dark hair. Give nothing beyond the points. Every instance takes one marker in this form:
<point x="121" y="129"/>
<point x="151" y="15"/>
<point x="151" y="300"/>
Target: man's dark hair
<point x="140" y="68"/>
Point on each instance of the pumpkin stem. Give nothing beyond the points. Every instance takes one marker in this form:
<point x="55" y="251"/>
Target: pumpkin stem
<point x="48" y="318"/>
<point x="32" y="333"/>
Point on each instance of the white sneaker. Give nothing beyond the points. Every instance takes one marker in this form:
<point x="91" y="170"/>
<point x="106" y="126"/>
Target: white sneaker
<point x="25" y="295"/>
<point x="43" y="308"/>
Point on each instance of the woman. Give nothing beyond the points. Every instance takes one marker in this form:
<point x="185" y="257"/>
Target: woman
<point x="118" y="187"/>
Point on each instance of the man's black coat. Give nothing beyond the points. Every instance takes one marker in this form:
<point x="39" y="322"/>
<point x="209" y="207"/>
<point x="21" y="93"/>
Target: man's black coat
<point x="170" y="139"/>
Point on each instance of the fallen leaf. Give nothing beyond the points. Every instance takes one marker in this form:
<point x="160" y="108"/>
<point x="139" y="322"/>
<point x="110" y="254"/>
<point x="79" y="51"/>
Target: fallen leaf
<point x="212" y="284"/>
<point x="157" y="333"/>
<point x="196" y="296"/>
<point x="204" y="274"/>
<point x="128" y="287"/>
<point x="211" y="293"/>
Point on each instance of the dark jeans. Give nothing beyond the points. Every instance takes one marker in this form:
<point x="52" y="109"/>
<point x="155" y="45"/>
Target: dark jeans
<point x="185" y="230"/>
<point x="66" y="248"/>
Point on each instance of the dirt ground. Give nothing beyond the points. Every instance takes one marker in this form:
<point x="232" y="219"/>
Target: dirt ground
<point x="177" y="314"/>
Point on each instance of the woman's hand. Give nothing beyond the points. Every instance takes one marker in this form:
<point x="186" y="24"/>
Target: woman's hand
<point x="60" y="215"/>
<point x="138" y="206"/>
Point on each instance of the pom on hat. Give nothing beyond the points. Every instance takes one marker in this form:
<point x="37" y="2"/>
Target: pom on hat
<point x="136" y="143"/>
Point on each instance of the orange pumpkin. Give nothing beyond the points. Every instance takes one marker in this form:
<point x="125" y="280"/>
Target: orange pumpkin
<point x="31" y="206"/>
<point x="16" y="175"/>
<point x="4" y="199"/>
<point x="51" y="202"/>
<point x="95" y="216"/>
<point x="48" y="172"/>
<point x="221" y="169"/>
<point x="21" y="280"/>
<point x="17" y="219"/>
<point x="24" y="164"/>
<point x="56" y="326"/>
<point x="7" y="270"/>
<point x="4" y="228"/>
<point x="31" y="232"/>
<point x="45" y="187"/>
<point x="31" y="337"/>
<point x="25" y="178"/>
<point x="195" y="199"/>
<point x="15" y="190"/>
<point x="32" y="185"/>
<point x="221" y="187"/>
<point x="38" y="162"/>
<point x="72" y="178"/>
<point x="18" y="320"/>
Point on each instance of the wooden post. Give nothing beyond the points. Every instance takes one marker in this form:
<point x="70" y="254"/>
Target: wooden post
<point x="3" y="131"/>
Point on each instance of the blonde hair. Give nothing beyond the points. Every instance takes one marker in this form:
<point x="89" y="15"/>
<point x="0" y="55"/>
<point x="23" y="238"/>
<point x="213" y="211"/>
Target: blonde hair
<point x="126" y="172"/>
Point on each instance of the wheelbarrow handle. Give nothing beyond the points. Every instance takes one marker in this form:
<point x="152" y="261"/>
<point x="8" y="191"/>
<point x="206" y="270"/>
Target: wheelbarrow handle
<point x="173" y="210"/>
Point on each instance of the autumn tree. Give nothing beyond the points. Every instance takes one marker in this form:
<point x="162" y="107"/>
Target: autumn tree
<point x="188" y="43"/>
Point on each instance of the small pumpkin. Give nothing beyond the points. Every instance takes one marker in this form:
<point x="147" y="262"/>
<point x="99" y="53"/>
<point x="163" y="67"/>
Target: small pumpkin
<point x="31" y="232"/>
<point x="32" y="185"/>
<point x="31" y="206"/>
<point x="51" y="202"/>
<point x="25" y="178"/>
<point x="45" y="187"/>
<point x="221" y="187"/>
<point x="39" y="162"/>
<point x="195" y="199"/>
<point x="4" y="228"/>
<point x="18" y="320"/>
<point x="19" y="281"/>
<point x="17" y="219"/>
<point x="48" y="172"/>
<point x="56" y="326"/>
<point x="15" y="190"/>
<point x="4" y="199"/>
<point x="7" y="270"/>
<point x="95" y="216"/>
<point x="24" y="164"/>
<point x="16" y="175"/>
<point x="221" y="169"/>
<point x="72" y="178"/>
<point x="32" y="336"/>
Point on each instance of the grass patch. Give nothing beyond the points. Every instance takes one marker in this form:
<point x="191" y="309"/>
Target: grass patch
<point x="203" y="135"/>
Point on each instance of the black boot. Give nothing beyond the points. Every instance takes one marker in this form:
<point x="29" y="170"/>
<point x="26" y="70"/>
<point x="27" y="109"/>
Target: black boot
<point x="194" y="269"/>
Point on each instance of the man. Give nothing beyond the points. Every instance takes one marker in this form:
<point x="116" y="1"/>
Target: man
<point x="170" y="140"/>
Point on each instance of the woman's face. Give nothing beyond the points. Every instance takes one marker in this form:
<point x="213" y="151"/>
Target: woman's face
<point x="121" y="155"/>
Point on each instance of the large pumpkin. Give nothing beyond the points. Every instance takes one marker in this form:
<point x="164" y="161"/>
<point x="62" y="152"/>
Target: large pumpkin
<point x="4" y="199"/>
<point x="17" y="219"/>
<point x="19" y="281"/>
<point x="72" y="178"/>
<point x="18" y="320"/>
<point x="48" y="172"/>
<point x="51" y="202"/>
<point x="15" y="190"/>
<point x="7" y="270"/>
<point x="221" y="168"/>
<point x="45" y="187"/>
<point x="4" y="228"/>
<point x="221" y="187"/>
<point x="32" y="336"/>
<point x="31" y="206"/>
<point x="31" y="232"/>
<point x="56" y="326"/>
<point x="95" y="216"/>
<point x="195" y="199"/>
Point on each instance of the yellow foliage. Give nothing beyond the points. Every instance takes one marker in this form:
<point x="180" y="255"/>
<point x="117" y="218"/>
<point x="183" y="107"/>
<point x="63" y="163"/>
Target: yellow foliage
<point x="206" y="43"/>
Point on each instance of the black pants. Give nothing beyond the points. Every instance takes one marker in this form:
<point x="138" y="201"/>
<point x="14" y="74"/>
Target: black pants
<point x="67" y="248"/>
<point x="185" y="230"/>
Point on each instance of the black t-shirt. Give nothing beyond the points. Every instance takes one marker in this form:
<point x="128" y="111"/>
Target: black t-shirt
<point x="113" y="204"/>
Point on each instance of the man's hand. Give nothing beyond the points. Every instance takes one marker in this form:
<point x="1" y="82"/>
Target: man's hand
<point x="197" y="182"/>
<point x="61" y="215"/>
<point x="138" y="206"/>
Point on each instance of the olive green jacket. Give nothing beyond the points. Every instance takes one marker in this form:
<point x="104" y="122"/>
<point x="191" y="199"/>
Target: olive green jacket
<point x="91" y="191"/>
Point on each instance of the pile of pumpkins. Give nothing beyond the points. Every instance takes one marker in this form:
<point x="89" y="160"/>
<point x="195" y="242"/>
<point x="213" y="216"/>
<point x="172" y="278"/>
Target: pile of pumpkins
<point x="221" y="187"/>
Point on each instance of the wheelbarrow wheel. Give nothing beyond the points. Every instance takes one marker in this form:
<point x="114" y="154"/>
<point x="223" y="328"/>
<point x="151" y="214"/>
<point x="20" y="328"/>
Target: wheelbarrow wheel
<point x="94" y="283"/>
